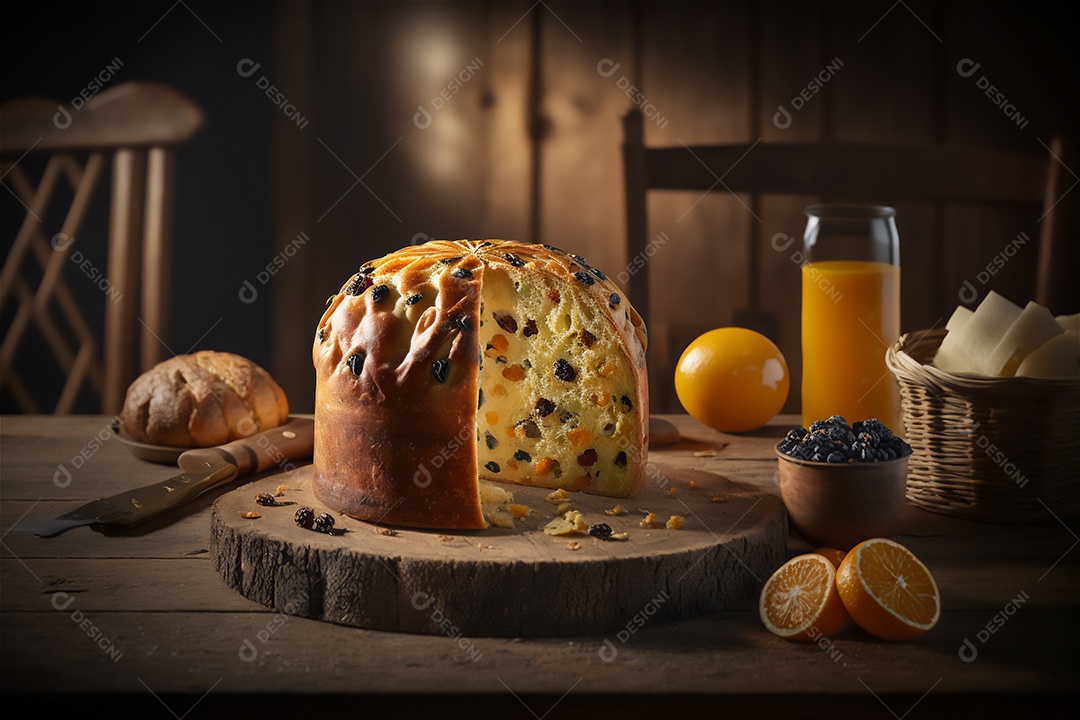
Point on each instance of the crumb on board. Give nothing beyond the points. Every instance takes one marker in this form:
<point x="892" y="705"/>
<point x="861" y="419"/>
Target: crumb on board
<point x="717" y="498"/>
<point x="558" y="497"/>
<point x="518" y="511"/>
<point x="389" y="532"/>
<point x="674" y="522"/>
<point x="445" y="538"/>
<point x="564" y="508"/>
<point x="705" y="453"/>
<point x="617" y="510"/>
<point x="673" y="490"/>
<point x="574" y="545"/>
<point x="619" y="536"/>
<point x="648" y="521"/>
<point x="693" y="483"/>
<point x="280" y="490"/>
<point x="250" y="515"/>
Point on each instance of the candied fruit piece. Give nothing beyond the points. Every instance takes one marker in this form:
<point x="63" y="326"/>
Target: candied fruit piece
<point x="492" y="417"/>
<point x="500" y="343"/>
<point x="499" y="391"/>
<point x="587" y="458"/>
<point x="544" y="467"/>
<point x="553" y="295"/>
<point x="514" y="373"/>
<point x="579" y="437"/>
<point x="586" y="338"/>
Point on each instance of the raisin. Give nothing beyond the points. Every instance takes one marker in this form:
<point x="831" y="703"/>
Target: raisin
<point x="483" y="245"/>
<point x="565" y="416"/>
<point x="305" y="517"/>
<point x="480" y="399"/>
<point x="379" y="292"/>
<point x="565" y="371"/>
<point x="355" y="363"/>
<point x="440" y="369"/>
<point x="449" y="260"/>
<point x="580" y="259"/>
<point x="620" y="460"/>
<point x="553" y="295"/>
<point x="413" y="299"/>
<point x="586" y="338"/>
<point x="367" y="269"/>
<point x="530" y="429"/>
<point x="552" y="248"/>
<point x="462" y="273"/>
<point x="600" y="530"/>
<point x="584" y="277"/>
<point x="627" y="405"/>
<point x="544" y="407"/>
<point x="614" y="299"/>
<point x="530" y="328"/>
<point x="463" y="324"/>
<point x="493" y="467"/>
<point x="490" y="440"/>
<point x="265" y="499"/>
<point x="506" y="322"/>
<point x="322" y="334"/>
<point x="324" y="523"/>
<point x="598" y="273"/>
<point x="358" y="285"/>
<point x="609" y="430"/>
<point x="514" y="260"/>
<point x="587" y="458"/>
<point x="522" y="456"/>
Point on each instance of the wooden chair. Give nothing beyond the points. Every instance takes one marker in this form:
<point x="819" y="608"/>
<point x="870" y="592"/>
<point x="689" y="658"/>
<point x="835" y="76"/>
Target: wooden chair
<point x="838" y="171"/>
<point x="134" y="129"/>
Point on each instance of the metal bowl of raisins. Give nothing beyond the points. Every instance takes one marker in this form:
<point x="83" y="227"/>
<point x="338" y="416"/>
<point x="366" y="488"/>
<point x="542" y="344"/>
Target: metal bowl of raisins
<point x="841" y="483"/>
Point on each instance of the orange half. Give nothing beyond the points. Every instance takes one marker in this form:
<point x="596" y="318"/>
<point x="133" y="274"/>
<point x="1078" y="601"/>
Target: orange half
<point x="800" y="601"/>
<point x="888" y="591"/>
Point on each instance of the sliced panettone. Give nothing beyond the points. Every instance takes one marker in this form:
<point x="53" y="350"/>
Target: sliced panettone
<point x="453" y="361"/>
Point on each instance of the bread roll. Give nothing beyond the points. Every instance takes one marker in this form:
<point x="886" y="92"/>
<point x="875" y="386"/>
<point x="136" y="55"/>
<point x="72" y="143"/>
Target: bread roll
<point x="200" y="400"/>
<point x="454" y="361"/>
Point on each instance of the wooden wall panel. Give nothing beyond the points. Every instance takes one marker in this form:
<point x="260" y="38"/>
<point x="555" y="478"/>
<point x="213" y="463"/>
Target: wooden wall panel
<point x="699" y="277"/>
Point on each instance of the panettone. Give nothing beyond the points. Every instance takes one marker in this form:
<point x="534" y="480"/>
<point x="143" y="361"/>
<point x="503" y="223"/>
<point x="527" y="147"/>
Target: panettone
<point x="454" y="361"/>
<point x="200" y="400"/>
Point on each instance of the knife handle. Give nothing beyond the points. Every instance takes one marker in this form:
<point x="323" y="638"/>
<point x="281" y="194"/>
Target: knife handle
<point x="254" y="454"/>
<point x="150" y="500"/>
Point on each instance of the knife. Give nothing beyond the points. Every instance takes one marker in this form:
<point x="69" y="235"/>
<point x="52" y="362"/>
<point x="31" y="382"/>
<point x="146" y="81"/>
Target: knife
<point x="204" y="468"/>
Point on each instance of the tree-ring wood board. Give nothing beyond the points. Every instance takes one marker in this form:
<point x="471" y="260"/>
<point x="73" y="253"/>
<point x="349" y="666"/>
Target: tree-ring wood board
<point x="509" y="583"/>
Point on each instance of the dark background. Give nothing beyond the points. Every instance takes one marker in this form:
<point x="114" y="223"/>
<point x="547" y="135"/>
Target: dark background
<point x="528" y="148"/>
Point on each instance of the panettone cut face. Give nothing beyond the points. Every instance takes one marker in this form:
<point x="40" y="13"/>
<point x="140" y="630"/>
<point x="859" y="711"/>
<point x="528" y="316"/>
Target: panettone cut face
<point x="528" y="349"/>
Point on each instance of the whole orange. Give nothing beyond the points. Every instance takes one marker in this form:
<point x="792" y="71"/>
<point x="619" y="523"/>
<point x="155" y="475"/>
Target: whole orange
<point x="732" y="379"/>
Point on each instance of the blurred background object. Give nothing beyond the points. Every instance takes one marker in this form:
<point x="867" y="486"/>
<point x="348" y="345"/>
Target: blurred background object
<point x="337" y="132"/>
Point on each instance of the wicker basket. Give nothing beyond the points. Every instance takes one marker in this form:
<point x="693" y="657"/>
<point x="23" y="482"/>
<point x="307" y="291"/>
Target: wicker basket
<point x="997" y="449"/>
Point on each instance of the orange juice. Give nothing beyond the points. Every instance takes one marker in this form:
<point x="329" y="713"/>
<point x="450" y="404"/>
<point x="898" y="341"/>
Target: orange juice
<point x="850" y="317"/>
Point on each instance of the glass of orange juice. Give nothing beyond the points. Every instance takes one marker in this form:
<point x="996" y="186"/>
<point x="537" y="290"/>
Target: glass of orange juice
<point x="850" y="314"/>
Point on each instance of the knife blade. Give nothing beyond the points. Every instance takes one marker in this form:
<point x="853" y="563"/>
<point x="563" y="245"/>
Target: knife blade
<point x="204" y="468"/>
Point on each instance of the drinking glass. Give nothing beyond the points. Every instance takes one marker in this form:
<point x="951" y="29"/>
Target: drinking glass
<point x="850" y="314"/>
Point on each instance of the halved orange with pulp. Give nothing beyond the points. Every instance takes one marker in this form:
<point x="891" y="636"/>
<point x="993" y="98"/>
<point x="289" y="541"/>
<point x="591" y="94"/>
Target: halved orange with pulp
<point x="800" y="601"/>
<point x="888" y="591"/>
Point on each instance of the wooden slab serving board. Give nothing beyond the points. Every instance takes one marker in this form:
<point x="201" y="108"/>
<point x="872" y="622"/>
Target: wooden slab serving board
<point x="510" y="583"/>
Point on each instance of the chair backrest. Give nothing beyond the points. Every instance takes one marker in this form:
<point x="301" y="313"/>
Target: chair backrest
<point x="879" y="174"/>
<point x="134" y="128"/>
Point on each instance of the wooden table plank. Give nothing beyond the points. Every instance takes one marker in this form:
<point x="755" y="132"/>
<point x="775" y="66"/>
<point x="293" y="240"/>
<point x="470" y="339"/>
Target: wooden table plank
<point x="177" y="628"/>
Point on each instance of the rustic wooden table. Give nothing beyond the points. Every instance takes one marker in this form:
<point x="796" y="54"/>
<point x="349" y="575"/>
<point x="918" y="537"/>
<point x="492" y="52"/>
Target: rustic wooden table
<point x="142" y="617"/>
